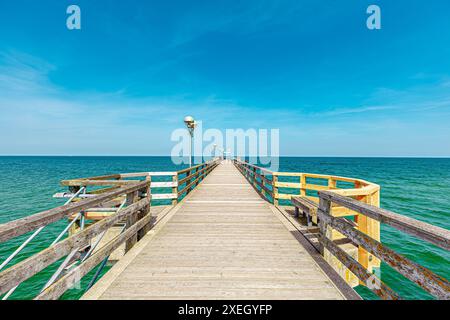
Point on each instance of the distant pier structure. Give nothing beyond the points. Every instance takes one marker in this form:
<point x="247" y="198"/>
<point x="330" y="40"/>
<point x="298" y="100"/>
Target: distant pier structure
<point x="224" y="229"/>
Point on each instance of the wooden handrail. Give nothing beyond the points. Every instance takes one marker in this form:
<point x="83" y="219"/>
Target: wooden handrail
<point x="381" y="290"/>
<point x="364" y="187"/>
<point x="433" y="234"/>
<point x="23" y="270"/>
<point x="21" y="226"/>
<point x="198" y="175"/>
<point x="434" y="284"/>
<point x="68" y="280"/>
<point x="252" y="176"/>
<point x="177" y="179"/>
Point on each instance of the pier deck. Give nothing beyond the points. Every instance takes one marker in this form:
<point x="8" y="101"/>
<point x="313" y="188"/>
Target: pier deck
<point x="223" y="241"/>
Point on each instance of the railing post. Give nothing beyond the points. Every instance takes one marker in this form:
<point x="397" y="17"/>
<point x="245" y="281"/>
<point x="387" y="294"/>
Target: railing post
<point x="370" y="227"/>
<point x="332" y="183"/>
<point x="324" y="208"/>
<point x="373" y="229"/>
<point x="327" y="234"/>
<point x="302" y="185"/>
<point x="146" y="210"/>
<point x="199" y="175"/>
<point x="175" y="189"/>
<point x="263" y="183"/>
<point x="132" y="219"/>
<point x="188" y="181"/>
<point x="275" y="189"/>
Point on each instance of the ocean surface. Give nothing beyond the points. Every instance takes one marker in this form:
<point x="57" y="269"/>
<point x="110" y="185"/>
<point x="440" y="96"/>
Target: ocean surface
<point x="418" y="188"/>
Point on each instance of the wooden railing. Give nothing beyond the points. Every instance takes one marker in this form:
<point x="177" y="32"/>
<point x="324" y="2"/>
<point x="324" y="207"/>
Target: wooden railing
<point x="134" y="213"/>
<point x="171" y="186"/>
<point x="116" y="201"/>
<point x="349" y="216"/>
<point x="432" y="283"/>
<point x="276" y="187"/>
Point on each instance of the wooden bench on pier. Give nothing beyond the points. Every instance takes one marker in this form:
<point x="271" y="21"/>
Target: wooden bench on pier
<point x="308" y="208"/>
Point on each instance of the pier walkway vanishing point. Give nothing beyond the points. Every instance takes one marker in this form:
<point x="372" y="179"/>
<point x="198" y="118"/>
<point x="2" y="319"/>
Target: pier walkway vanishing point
<point x="222" y="242"/>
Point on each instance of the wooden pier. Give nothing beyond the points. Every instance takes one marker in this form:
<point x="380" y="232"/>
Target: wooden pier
<point x="219" y="230"/>
<point x="222" y="242"/>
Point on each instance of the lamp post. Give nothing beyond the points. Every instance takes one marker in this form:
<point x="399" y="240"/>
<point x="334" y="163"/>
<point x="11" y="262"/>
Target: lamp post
<point x="214" y="151"/>
<point x="190" y="124"/>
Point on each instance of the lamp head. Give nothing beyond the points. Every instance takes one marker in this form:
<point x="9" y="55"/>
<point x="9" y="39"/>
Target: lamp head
<point x="188" y="120"/>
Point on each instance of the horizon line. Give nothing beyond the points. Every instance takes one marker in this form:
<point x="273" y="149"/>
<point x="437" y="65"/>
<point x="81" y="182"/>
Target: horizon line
<point x="281" y="156"/>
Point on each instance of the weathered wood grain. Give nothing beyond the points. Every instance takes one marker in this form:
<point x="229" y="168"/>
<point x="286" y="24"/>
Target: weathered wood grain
<point x="21" y="226"/>
<point x="68" y="280"/>
<point x="23" y="270"/>
<point x="354" y="266"/>
<point x="434" y="284"/>
<point x="433" y="234"/>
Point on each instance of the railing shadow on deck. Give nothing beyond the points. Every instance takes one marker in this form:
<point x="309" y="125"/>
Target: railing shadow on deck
<point x="116" y="201"/>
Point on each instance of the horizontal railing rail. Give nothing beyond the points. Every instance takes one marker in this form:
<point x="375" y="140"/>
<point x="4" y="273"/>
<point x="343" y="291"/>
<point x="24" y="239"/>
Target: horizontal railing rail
<point x="21" y="226"/>
<point x="261" y="179"/>
<point x="429" y="281"/>
<point x="276" y="185"/>
<point x="179" y="183"/>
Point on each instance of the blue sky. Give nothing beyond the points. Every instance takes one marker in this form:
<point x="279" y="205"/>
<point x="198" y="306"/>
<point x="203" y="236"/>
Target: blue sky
<point x="124" y="82"/>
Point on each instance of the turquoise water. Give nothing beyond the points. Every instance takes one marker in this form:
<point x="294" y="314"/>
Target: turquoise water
<point x="418" y="188"/>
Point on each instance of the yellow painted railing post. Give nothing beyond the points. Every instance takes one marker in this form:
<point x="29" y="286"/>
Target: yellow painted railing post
<point x="275" y="189"/>
<point x="302" y="185"/>
<point x="373" y="228"/>
<point x="370" y="227"/>
<point x="332" y="183"/>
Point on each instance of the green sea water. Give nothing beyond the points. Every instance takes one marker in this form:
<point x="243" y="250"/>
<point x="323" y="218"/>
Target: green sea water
<point x="418" y="188"/>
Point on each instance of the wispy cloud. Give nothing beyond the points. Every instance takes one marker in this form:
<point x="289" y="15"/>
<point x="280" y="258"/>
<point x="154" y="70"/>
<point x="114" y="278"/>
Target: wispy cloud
<point x="386" y="101"/>
<point x="364" y="109"/>
<point x="21" y="72"/>
<point x="38" y="115"/>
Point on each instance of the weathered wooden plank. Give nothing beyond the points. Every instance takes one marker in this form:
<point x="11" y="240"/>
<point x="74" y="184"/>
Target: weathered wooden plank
<point x="90" y="182"/>
<point x="292" y="185"/>
<point x="146" y="174"/>
<point x="131" y="219"/>
<point x="191" y="168"/>
<point x="68" y="280"/>
<point x="163" y="196"/>
<point x="436" y="235"/>
<point x="105" y="177"/>
<point x="434" y="284"/>
<point x="169" y="184"/>
<point x="23" y="270"/>
<point x="21" y="226"/>
<point x="193" y="175"/>
<point x="380" y="289"/>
